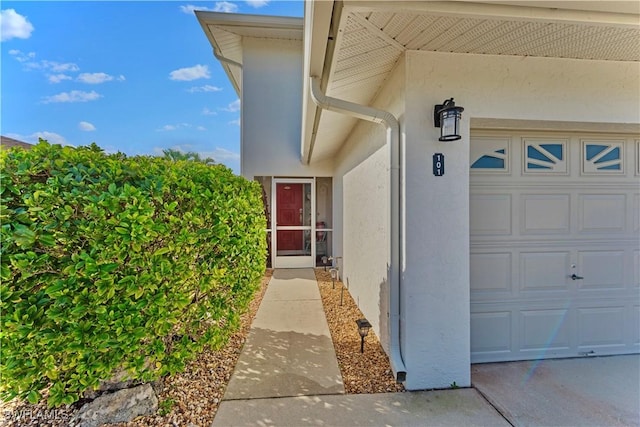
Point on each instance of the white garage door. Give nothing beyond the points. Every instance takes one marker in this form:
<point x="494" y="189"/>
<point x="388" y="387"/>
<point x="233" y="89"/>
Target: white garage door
<point x="555" y="263"/>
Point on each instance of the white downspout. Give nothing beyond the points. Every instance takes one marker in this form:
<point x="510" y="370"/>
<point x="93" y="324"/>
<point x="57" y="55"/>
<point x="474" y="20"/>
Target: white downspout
<point x="221" y="58"/>
<point x="392" y="126"/>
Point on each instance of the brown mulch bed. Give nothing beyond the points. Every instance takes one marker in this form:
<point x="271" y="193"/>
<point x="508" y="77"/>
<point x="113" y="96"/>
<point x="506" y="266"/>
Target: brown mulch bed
<point x="368" y="372"/>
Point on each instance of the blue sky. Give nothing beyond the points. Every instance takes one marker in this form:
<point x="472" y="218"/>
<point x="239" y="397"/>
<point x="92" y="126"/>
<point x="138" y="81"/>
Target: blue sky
<point x="136" y="77"/>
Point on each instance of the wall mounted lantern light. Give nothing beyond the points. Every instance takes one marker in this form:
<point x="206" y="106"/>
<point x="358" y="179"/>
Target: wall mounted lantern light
<point x="363" y="330"/>
<point x="446" y="116"/>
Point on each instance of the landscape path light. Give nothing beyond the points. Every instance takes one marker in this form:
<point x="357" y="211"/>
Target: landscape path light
<point x="363" y="330"/>
<point x="334" y="276"/>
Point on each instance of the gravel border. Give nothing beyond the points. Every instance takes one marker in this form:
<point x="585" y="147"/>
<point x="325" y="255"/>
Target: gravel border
<point x="368" y="372"/>
<point x="192" y="397"/>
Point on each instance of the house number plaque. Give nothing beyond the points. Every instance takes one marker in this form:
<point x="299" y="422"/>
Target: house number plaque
<point x="438" y="164"/>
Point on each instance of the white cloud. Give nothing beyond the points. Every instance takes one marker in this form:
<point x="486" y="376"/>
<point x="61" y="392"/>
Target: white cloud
<point x="86" y="126"/>
<point x="201" y="128"/>
<point x="232" y="107"/>
<point x="190" y="8"/>
<point x="121" y="78"/>
<point x="221" y="154"/>
<point x="207" y="112"/>
<point x="235" y="122"/>
<point x="183" y="148"/>
<point x="73" y="96"/>
<point x="56" y="67"/>
<point x="21" y="56"/>
<point x="205" y="88"/>
<point x="51" y="137"/>
<point x="257" y="3"/>
<point x="94" y="78"/>
<point x="57" y="78"/>
<point x="225" y="6"/>
<point x="110" y="149"/>
<point x="169" y="128"/>
<point x="14" y="25"/>
<point x="190" y="73"/>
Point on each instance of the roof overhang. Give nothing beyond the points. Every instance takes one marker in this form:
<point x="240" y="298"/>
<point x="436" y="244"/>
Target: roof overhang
<point x="226" y="31"/>
<point x="363" y="41"/>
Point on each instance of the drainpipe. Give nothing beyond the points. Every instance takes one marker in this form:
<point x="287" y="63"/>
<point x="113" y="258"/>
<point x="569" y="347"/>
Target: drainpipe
<point x="392" y="126"/>
<point x="221" y="58"/>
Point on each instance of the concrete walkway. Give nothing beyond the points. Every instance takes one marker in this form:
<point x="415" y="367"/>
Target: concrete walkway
<point x="289" y="351"/>
<point x="464" y="407"/>
<point x="287" y="375"/>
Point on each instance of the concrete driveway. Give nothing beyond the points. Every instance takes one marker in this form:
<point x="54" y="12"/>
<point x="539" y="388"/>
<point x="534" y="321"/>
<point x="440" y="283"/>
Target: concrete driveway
<point x="594" y="391"/>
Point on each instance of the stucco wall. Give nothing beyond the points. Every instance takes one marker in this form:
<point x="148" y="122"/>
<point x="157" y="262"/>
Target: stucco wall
<point x="435" y="325"/>
<point x="530" y="88"/>
<point x="271" y="116"/>
<point x="435" y="296"/>
<point x="361" y="209"/>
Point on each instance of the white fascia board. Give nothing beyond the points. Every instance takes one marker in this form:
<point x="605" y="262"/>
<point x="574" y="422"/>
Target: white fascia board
<point x="620" y="14"/>
<point x="239" y="24"/>
<point x="210" y="18"/>
<point x="317" y="25"/>
<point x="250" y="21"/>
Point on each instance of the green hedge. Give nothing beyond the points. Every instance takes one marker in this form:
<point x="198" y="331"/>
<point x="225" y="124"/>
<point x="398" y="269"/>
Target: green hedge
<point x="112" y="263"/>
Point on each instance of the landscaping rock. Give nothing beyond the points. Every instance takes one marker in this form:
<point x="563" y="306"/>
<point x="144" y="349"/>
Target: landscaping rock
<point x="120" y="406"/>
<point x="119" y="381"/>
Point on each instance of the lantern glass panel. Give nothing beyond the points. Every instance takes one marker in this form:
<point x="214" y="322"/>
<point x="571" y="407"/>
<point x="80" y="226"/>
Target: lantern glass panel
<point x="449" y="122"/>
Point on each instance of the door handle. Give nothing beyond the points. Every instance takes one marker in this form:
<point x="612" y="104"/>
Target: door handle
<point x="576" y="277"/>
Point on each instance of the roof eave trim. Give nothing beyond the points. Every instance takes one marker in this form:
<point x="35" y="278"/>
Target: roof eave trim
<point x="252" y="21"/>
<point x="205" y="19"/>
<point x="318" y="44"/>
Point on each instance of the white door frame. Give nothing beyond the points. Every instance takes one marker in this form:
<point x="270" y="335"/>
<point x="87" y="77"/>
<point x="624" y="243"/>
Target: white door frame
<point x="284" y="261"/>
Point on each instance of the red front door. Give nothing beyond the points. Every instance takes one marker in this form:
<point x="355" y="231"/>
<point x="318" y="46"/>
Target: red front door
<point x="289" y="198"/>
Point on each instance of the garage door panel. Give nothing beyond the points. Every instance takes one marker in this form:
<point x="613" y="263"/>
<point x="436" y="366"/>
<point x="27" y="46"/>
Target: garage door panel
<point x="600" y="327"/>
<point x="636" y="268"/>
<point x="636" y="213"/>
<point x="544" y="330"/>
<point x="492" y="273"/>
<point x="494" y="214"/>
<point x="491" y="332"/>
<point x="545" y="156"/>
<point x="635" y="325"/>
<point x="602" y="213"/>
<point x="602" y="156"/>
<point x="490" y="155"/>
<point x="544" y="214"/>
<point x="601" y="270"/>
<point x="569" y="204"/>
<point x="544" y="271"/>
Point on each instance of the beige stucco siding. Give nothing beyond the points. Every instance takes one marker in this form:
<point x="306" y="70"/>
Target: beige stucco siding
<point x="362" y="206"/>
<point x="530" y="88"/>
<point x="271" y="116"/>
